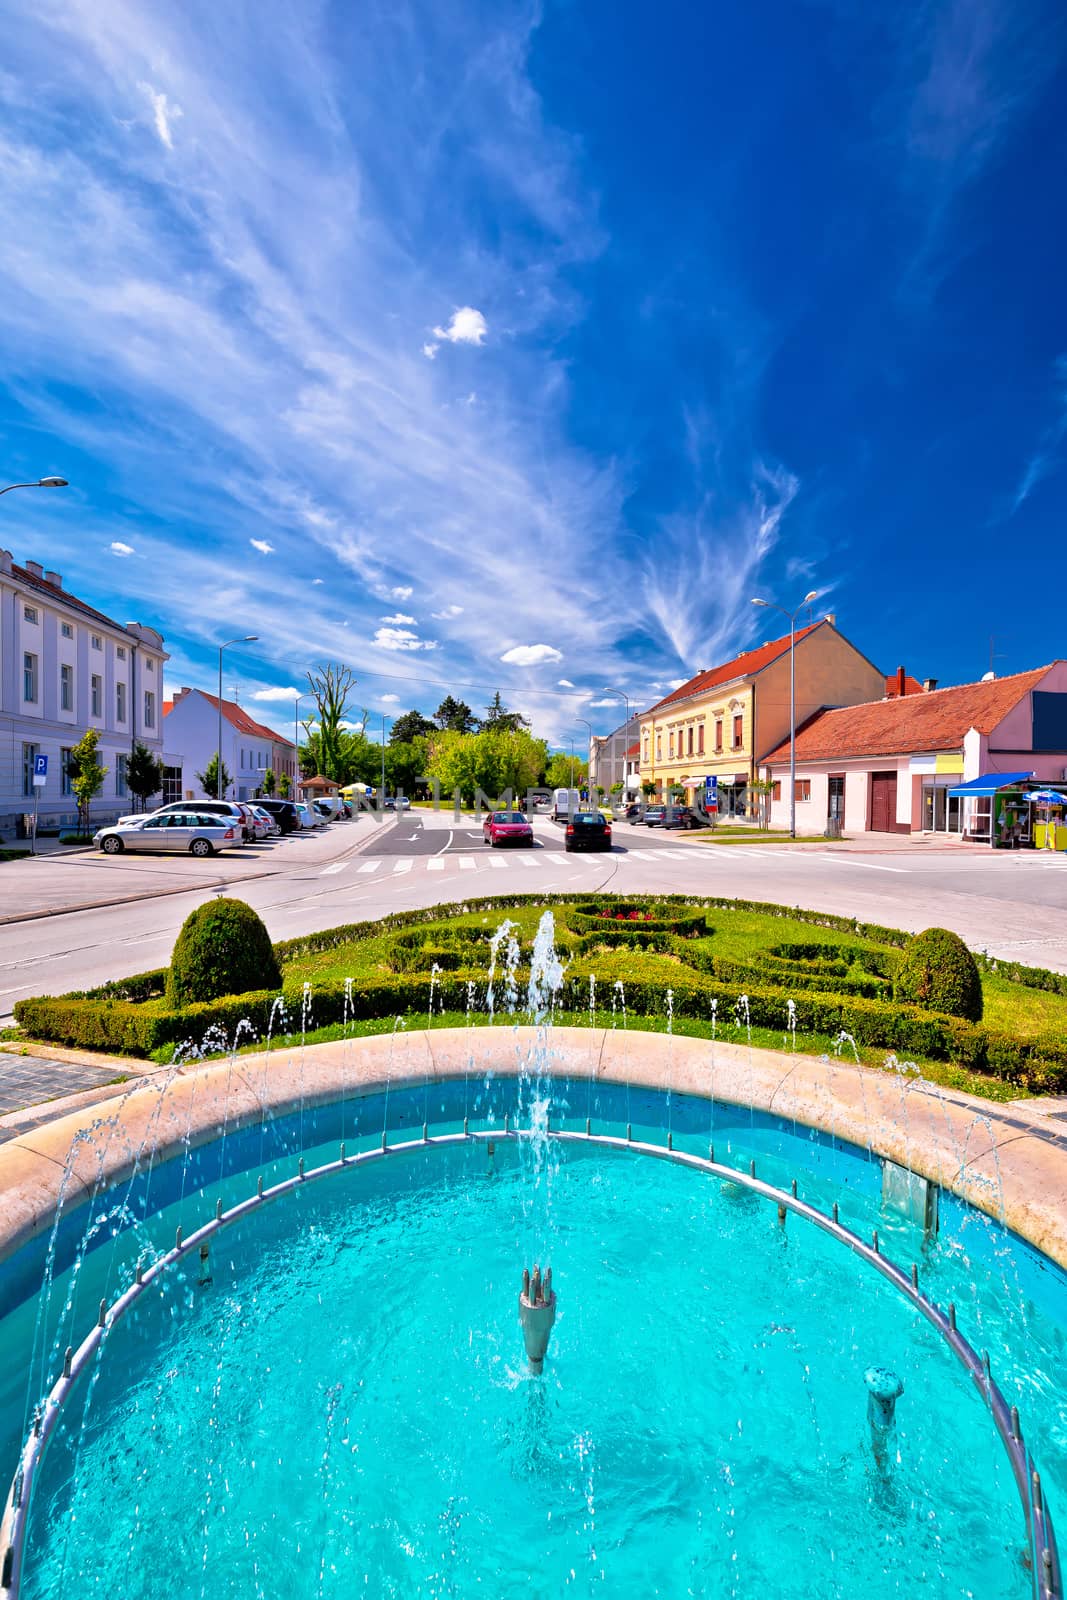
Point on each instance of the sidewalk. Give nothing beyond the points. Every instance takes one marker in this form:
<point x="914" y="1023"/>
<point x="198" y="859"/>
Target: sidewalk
<point x="41" y="1082"/>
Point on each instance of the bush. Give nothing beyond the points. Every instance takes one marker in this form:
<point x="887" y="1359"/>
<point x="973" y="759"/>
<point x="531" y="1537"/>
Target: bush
<point x="71" y="838"/>
<point x="939" y="973"/>
<point x="223" y="948"/>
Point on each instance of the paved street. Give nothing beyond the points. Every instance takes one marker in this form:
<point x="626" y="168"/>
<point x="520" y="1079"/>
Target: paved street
<point x="1012" y="904"/>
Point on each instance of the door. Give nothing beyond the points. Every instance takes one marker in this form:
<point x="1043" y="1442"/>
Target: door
<point x="883" y="802"/>
<point x="835" y="799"/>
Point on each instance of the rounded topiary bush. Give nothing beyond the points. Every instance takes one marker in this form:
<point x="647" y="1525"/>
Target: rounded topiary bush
<point x="938" y="972"/>
<point x="223" y="948"/>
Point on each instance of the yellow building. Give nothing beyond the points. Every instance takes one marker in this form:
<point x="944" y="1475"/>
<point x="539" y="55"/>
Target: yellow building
<point x="725" y="719"/>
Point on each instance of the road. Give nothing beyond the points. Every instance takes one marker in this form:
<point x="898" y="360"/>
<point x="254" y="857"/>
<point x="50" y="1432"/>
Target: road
<point x="1013" y="904"/>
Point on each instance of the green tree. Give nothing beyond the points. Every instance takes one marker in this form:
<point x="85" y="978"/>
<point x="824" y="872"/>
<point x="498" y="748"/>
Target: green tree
<point x="330" y="685"/>
<point x="491" y="762"/>
<point x="559" y="769"/>
<point x="86" y="775"/>
<point x="285" y="786"/>
<point x="270" y="782"/>
<point x="498" y="719"/>
<point x="412" y="725"/>
<point x="144" y="774"/>
<point x="455" y="716"/>
<point x="648" y="789"/>
<point x="209" y="778"/>
<point x="405" y="763"/>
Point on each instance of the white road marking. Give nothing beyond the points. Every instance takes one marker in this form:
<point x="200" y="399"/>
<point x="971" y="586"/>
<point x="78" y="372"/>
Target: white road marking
<point x="468" y="863"/>
<point x="435" y="864"/>
<point x="336" y="866"/>
<point x="526" y="861"/>
<point x="868" y="866"/>
<point x="556" y="860"/>
<point x="370" y="866"/>
<point x="446" y="844"/>
<point x="405" y="864"/>
<point x="500" y="866"/>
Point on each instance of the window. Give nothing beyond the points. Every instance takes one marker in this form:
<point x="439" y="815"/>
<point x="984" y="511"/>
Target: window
<point x="121" y="652"/>
<point x="149" y="709"/>
<point x="644" y="753"/>
<point x="66" y="688"/>
<point x="96" y="642"/>
<point x="776" y="792"/>
<point x="700" y="740"/>
<point x="29" y="677"/>
<point x="67" y="630"/>
<point x="120" y="702"/>
<point x="29" y="756"/>
<point x="689" y="743"/>
<point x="120" y="776"/>
<point x="718" y="733"/>
<point x="659" y="747"/>
<point x="803" y="788"/>
<point x="97" y="698"/>
<point x="29" y="613"/>
<point x="739" y="725"/>
<point x="172" y="785"/>
<point x="149" y="664"/>
<point x="64" y="771"/>
<point x="671" y="747"/>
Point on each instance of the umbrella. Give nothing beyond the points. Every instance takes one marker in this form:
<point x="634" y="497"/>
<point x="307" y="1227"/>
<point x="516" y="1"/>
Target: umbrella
<point x="1047" y="797"/>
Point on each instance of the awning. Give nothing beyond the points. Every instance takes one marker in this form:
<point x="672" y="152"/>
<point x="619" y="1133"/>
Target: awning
<point x="990" y="783"/>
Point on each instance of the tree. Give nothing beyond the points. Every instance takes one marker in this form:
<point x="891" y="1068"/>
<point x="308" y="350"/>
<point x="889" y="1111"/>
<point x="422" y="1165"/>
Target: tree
<point x="498" y="719"/>
<point x="209" y="778"/>
<point x="455" y="716"/>
<point x="330" y="686"/>
<point x="86" y="775"/>
<point x="648" y="789"/>
<point x="405" y="763"/>
<point x="144" y="774"/>
<point x="285" y="786"/>
<point x="270" y="782"/>
<point x="491" y="762"/>
<point x="558" y="773"/>
<point x="412" y="725"/>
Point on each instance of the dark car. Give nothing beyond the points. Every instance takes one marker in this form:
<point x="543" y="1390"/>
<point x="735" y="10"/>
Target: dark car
<point x="654" y="816"/>
<point x="588" y="830"/>
<point x="683" y="817"/>
<point x="284" y="813"/>
<point x="635" y="812"/>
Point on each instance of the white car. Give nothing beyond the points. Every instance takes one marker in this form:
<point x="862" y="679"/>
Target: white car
<point x="308" y="817"/>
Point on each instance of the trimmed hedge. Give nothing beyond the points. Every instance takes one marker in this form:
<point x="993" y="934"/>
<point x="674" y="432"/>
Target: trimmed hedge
<point x="685" y="922"/>
<point x="940" y="973"/>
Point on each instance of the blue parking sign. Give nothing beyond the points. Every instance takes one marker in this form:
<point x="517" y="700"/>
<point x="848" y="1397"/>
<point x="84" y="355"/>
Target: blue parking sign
<point x="40" y="770"/>
<point x="711" y="791"/>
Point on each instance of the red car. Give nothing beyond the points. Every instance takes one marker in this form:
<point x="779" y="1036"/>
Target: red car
<point x="507" y="827"/>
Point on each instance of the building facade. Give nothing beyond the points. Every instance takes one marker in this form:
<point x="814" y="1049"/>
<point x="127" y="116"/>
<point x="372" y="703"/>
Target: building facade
<point x="608" y="763"/>
<point x="890" y="766"/>
<point x="66" y="667"/>
<point x="722" y="722"/>
<point x="248" y="746"/>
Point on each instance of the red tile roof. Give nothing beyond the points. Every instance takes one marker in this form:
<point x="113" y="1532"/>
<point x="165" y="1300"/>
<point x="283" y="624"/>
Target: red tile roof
<point x="235" y="715"/>
<point x="911" y="685"/>
<point x="937" y="720"/>
<point x="634" y="750"/>
<point x="745" y="665"/>
<point x="53" y="591"/>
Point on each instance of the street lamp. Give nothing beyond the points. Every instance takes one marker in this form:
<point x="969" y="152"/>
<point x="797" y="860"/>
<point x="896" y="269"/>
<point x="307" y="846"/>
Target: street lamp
<point x="41" y="483"/>
<point x="249" y="638"/>
<point x="296" y="736"/>
<point x="589" y="725"/>
<point x="622" y="695"/>
<point x="792" y="615"/>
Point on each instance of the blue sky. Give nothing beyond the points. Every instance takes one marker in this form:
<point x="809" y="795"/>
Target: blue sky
<point x="513" y="346"/>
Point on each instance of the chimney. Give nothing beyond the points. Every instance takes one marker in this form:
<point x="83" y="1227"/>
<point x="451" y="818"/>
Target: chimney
<point x="831" y="618"/>
<point x="5" y="560"/>
<point x="902" y="682"/>
<point x="35" y="569"/>
<point x="54" y="579"/>
<point x="929" y="684"/>
<point x="185" y="689"/>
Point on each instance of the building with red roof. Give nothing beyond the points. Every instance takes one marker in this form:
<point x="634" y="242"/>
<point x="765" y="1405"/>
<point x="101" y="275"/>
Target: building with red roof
<point x="249" y="747"/>
<point x="890" y="765"/>
<point x="721" y="721"/>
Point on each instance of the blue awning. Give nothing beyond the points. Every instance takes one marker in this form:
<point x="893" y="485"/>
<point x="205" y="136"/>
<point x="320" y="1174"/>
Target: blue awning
<point x="991" y="783"/>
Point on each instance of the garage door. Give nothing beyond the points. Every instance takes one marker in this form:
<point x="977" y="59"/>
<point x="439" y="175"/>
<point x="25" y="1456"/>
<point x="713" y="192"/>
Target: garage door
<point x="883" y="802"/>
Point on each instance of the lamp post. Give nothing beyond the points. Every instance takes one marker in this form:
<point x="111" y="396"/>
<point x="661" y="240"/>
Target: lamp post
<point x="248" y="638"/>
<point x="792" y="615"/>
<point x="589" y="725"/>
<point x="625" y="698"/>
<point x="296" y="736"/>
<point x="41" y="483"/>
<point x="381" y="797"/>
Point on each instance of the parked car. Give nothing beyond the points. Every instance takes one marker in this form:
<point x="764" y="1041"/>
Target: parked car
<point x="683" y="817"/>
<point x="588" y="830"/>
<point x="284" y="813"/>
<point x="507" y="827"/>
<point x="231" y="809"/>
<point x="653" y="816"/>
<point x="564" y="802"/>
<point x="324" y="809"/>
<point x="634" y="812"/>
<point x="202" y="833"/>
<point x="309" y="818"/>
<point x="396" y="802"/>
<point x="270" y="823"/>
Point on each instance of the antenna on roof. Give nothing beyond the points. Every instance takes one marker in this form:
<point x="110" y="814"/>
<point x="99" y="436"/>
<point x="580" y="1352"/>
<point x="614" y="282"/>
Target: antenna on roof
<point x="234" y="692"/>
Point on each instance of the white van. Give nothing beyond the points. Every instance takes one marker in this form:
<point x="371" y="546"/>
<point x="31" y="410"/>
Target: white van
<point x="564" y="802"/>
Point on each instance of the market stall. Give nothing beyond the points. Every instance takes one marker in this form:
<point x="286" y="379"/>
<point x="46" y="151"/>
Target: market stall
<point x="996" y="809"/>
<point x="1049" y="826"/>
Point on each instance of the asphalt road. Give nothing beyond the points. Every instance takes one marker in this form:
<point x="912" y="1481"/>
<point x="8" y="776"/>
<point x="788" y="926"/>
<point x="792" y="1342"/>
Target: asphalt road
<point x="1013" y="904"/>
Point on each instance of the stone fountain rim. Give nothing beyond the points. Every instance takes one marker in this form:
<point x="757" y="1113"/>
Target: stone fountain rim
<point x="1014" y="1165"/>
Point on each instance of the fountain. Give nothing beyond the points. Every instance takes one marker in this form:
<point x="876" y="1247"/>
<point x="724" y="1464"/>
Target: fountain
<point x="244" y="1268"/>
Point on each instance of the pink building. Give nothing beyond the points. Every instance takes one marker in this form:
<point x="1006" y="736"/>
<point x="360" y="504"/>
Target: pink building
<point x="889" y="766"/>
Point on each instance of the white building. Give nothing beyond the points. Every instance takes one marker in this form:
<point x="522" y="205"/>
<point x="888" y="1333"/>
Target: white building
<point x="65" y="667"/>
<point x="609" y="757"/>
<point x="248" y="747"/>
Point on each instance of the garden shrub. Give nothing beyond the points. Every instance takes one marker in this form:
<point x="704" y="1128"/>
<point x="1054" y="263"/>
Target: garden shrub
<point x="939" y="973"/>
<point x="223" y="948"/>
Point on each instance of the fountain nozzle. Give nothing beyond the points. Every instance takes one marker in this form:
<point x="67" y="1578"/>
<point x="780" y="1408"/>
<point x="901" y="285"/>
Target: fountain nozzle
<point x="884" y="1389"/>
<point x="537" y="1313"/>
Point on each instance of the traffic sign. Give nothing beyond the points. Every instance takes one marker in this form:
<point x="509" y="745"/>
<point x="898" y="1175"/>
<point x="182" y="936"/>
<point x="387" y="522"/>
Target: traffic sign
<point x="40" y="771"/>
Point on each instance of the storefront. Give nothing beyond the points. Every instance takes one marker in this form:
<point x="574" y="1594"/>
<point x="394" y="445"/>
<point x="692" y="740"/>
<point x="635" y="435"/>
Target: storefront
<point x="1048" y="809"/>
<point x="995" y="809"/>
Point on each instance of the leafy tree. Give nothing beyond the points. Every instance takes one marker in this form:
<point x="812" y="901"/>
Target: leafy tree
<point x="356" y="758"/>
<point x="559" y="770"/>
<point x="209" y="778"/>
<point x="648" y="789"/>
<point x="412" y="725"/>
<point x="285" y="786"/>
<point x="86" y="775"/>
<point x="270" y="782"/>
<point x="330" y="685"/>
<point x="144" y="774"/>
<point x="498" y="719"/>
<point x="455" y="716"/>
<point x="491" y="762"/>
<point x="404" y="763"/>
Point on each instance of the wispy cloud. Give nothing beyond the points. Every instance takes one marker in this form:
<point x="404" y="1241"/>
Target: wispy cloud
<point x="398" y="617"/>
<point x="447" y="614"/>
<point x="465" y="326"/>
<point x="163" y="114"/>
<point x="117" y="548"/>
<point x="273" y="694"/>
<point x="401" y="639"/>
<point x="1048" y="456"/>
<point x="264" y="548"/>
<point x="402" y="591"/>
<point x="565" y="683"/>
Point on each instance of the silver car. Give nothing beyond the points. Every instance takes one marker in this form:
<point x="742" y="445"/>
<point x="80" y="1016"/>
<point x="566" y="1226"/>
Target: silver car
<point x="201" y="833"/>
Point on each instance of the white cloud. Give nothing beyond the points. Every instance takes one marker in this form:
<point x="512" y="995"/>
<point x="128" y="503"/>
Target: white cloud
<point x="389" y="699"/>
<point x="316" y="580"/>
<point x="117" y="548"/>
<point x="676" y="683"/>
<point x="467" y="326"/>
<point x="162" y="113"/>
<point x="447" y="614"/>
<point x="430" y="351"/>
<point x="530" y="655"/>
<point x="399" y="617"/>
<point x="262" y="546"/>
<point x="598" y="704"/>
<point x="402" y="639"/>
<point x="565" y="683"/>
<point x="402" y="591"/>
<point x="275" y="694"/>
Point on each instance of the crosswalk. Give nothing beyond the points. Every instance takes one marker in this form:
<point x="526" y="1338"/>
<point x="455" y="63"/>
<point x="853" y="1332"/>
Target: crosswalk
<point x="455" y="862"/>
